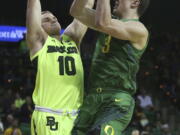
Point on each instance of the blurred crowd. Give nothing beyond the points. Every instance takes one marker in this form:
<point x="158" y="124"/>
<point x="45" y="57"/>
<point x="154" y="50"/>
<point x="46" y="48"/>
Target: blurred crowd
<point x="157" y="104"/>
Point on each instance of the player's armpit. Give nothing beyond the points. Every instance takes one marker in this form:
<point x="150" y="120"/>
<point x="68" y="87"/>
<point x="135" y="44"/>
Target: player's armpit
<point x="76" y="30"/>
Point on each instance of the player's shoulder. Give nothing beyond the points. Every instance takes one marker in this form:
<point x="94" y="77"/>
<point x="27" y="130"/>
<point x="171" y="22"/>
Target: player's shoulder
<point x="140" y="32"/>
<point x="138" y="25"/>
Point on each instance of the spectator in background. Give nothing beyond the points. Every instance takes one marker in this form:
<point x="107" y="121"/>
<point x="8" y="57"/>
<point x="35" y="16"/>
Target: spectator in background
<point x="145" y="100"/>
<point x="144" y="121"/>
<point x="165" y="129"/>
<point x="18" y="101"/>
<point x="9" y="120"/>
<point x="26" y="110"/>
<point x="13" y="129"/>
<point x="148" y="109"/>
<point x="135" y="132"/>
<point x="14" y="111"/>
<point x="8" y="124"/>
<point x="7" y="100"/>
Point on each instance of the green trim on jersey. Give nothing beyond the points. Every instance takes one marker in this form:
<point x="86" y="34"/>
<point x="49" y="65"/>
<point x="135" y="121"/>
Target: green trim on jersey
<point x="126" y="20"/>
<point x="59" y="78"/>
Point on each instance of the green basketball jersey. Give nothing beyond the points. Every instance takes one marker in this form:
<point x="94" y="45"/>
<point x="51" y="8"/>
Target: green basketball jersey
<point x="59" y="78"/>
<point x="115" y="65"/>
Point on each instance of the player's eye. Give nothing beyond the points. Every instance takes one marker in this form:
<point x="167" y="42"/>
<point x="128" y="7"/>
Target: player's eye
<point x="46" y="19"/>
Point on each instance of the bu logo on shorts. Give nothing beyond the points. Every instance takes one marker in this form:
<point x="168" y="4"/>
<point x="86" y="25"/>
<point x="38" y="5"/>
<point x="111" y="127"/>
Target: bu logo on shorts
<point x="51" y="123"/>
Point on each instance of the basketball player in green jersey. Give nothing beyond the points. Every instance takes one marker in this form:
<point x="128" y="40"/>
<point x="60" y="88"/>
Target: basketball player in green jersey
<point x="112" y="83"/>
<point x="58" y="89"/>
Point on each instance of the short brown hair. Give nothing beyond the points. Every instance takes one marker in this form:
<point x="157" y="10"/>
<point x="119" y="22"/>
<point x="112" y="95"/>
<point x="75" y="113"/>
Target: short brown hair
<point x="144" y="4"/>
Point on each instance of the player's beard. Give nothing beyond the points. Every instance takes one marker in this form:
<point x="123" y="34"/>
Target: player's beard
<point x="55" y="29"/>
<point x="55" y="32"/>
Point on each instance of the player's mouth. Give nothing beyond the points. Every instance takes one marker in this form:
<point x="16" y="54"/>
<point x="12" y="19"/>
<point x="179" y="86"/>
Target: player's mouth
<point x="54" y="23"/>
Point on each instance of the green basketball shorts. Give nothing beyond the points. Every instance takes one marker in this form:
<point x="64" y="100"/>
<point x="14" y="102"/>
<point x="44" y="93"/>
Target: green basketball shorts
<point x="111" y="112"/>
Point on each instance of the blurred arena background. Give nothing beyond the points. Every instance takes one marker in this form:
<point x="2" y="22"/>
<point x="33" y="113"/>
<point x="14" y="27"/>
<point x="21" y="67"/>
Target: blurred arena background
<point x="158" y="97"/>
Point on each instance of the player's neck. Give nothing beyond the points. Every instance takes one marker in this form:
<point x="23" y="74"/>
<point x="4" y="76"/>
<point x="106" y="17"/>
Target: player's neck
<point x="129" y="16"/>
<point x="56" y="36"/>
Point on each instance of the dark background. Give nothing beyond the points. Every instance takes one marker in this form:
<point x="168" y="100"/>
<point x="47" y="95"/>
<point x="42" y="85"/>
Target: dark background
<point x="162" y="15"/>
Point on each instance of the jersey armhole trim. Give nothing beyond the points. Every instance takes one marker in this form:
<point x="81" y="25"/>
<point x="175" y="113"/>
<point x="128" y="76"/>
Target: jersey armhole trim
<point x="66" y="37"/>
<point x="38" y="52"/>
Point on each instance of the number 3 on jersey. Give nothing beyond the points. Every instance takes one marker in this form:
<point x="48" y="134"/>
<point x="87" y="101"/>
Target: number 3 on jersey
<point x="67" y="65"/>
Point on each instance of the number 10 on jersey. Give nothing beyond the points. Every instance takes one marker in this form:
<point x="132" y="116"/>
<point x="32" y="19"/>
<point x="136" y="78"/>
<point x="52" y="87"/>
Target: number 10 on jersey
<point x="66" y="65"/>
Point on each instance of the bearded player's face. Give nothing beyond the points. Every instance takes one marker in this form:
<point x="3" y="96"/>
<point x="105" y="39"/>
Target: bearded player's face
<point x="50" y="23"/>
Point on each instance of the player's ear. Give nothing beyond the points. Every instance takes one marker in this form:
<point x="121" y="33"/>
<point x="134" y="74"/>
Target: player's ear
<point x="135" y="3"/>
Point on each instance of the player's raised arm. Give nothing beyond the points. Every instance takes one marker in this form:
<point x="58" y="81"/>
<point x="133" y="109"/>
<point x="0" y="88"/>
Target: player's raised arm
<point x="133" y="31"/>
<point x="81" y="11"/>
<point x="100" y="19"/>
<point x="35" y="34"/>
<point x="76" y="30"/>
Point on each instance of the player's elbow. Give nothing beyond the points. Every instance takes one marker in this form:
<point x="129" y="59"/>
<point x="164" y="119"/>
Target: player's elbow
<point x="101" y="24"/>
<point x="74" y="12"/>
<point x="102" y="21"/>
<point x="71" y="11"/>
